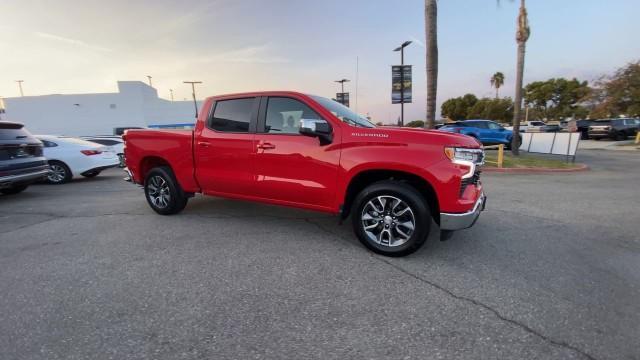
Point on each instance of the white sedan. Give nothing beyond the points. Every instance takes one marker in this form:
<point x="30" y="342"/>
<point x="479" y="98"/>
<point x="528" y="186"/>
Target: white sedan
<point x="71" y="157"/>
<point x="112" y="142"/>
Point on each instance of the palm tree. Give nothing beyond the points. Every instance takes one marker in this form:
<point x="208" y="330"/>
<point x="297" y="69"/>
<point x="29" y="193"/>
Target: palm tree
<point x="431" y="32"/>
<point x="497" y="80"/>
<point x="522" y="35"/>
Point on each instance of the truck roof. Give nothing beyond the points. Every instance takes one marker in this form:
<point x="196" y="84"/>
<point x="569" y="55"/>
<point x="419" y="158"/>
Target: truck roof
<point x="260" y="93"/>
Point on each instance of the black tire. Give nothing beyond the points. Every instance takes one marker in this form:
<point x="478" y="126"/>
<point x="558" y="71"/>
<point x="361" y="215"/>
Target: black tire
<point x="14" y="189"/>
<point x="156" y="179"/>
<point x="619" y="136"/>
<point x="91" y="174"/>
<point x="60" y="173"/>
<point x="411" y="198"/>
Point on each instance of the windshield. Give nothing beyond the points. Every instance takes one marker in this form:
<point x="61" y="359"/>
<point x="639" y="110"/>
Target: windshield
<point x="343" y="113"/>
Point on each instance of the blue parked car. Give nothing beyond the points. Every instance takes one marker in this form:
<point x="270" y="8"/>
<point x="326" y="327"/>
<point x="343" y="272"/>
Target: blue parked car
<point x="487" y="131"/>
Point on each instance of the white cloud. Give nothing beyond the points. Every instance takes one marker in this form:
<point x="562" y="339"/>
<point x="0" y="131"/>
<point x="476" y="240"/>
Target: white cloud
<point x="248" y="55"/>
<point x="75" y="42"/>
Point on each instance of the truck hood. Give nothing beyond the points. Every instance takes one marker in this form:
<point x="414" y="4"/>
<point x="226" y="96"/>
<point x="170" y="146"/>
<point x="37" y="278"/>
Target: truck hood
<point x="416" y="135"/>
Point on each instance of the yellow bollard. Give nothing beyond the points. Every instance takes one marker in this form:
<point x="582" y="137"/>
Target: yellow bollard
<point x="638" y="137"/>
<point x="500" y="155"/>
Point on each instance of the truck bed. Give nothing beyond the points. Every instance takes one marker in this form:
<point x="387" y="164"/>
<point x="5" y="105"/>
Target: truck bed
<point x="145" y="149"/>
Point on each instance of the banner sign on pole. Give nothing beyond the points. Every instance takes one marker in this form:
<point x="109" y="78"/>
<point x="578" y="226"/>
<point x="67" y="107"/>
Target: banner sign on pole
<point x="343" y="98"/>
<point x="400" y="74"/>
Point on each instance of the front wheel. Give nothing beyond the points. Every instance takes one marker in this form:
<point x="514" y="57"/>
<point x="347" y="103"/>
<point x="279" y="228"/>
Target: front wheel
<point x="163" y="192"/>
<point x="391" y="218"/>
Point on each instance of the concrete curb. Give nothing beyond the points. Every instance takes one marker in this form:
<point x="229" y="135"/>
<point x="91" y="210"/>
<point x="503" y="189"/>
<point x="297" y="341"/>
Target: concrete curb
<point x="581" y="167"/>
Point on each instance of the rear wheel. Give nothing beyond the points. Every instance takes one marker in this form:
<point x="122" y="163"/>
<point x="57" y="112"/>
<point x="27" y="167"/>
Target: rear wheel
<point x="163" y="192"/>
<point x="391" y="218"/>
<point x="60" y="173"/>
<point x="14" y="189"/>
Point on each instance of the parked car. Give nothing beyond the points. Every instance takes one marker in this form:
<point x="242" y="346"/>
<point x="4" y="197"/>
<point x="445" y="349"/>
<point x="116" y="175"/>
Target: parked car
<point x="306" y="151"/>
<point x="551" y="128"/>
<point x="583" y="127"/>
<point x="71" y="157"/>
<point x="111" y="142"/>
<point x="486" y="131"/>
<point x="616" y="129"/>
<point x="529" y="126"/>
<point x="21" y="160"/>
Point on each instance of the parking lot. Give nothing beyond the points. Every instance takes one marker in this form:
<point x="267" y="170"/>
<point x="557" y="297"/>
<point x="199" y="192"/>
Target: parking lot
<point x="550" y="271"/>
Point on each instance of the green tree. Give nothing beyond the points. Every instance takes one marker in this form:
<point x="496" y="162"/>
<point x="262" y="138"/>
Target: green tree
<point x="458" y="108"/>
<point x="415" y="124"/>
<point x="492" y="109"/>
<point x="497" y="80"/>
<point x="618" y="94"/>
<point x="557" y="98"/>
<point x="431" y="33"/>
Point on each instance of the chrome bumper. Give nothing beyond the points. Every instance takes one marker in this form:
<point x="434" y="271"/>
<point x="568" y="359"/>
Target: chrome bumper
<point x="459" y="221"/>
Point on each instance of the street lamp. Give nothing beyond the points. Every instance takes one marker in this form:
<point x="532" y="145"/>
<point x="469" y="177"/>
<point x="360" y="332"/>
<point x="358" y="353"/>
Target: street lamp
<point x="149" y="77"/>
<point x="193" y="91"/>
<point x="401" y="49"/>
<point x="341" y="82"/>
<point x="171" y="92"/>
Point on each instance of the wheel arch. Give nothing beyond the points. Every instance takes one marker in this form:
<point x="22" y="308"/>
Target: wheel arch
<point x="149" y="162"/>
<point x="367" y="177"/>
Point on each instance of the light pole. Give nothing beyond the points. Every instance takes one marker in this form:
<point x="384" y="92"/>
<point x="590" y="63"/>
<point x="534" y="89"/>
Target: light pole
<point x="193" y="90"/>
<point x="20" y="86"/>
<point x="171" y="92"/>
<point x="401" y="49"/>
<point x="341" y="82"/>
<point x="149" y="77"/>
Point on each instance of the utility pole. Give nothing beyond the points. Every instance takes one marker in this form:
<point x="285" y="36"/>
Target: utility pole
<point x="401" y="49"/>
<point x="1" y="106"/>
<point x="171" y="92"/>
<point x="20" y="86"/>
<point x="193" y="90"/>
<point x="149" y="77"/>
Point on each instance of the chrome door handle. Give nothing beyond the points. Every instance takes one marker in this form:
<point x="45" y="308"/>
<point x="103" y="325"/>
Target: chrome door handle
<point x="203" y="143"/>
<point x="266" y="146"/>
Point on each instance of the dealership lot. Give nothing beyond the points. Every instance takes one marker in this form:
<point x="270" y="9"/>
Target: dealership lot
<point x="551" y="270"/>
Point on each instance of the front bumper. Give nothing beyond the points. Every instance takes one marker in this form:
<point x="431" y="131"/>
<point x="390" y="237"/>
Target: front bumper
<point x="459" y="221"/>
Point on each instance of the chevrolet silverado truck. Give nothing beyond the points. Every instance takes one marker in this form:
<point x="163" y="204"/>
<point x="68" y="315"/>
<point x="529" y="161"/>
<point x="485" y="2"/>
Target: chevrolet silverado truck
<point x="305" y="151"/>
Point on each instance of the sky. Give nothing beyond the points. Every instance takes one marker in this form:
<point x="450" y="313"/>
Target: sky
<point x="73" y="46"/>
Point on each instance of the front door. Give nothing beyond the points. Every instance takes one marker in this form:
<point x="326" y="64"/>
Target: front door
<point x="224" y="148"/>
<point x="290" y="167"/>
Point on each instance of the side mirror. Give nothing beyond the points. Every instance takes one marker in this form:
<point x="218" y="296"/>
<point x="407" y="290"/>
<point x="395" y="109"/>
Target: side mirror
<point x="317" y="128"/>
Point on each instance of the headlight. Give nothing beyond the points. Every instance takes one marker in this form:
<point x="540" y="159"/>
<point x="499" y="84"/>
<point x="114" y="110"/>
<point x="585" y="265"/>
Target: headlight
<point x="469" y="158"/>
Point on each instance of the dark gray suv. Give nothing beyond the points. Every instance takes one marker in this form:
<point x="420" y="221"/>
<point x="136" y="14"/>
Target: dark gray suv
<point x="21" y="159"/>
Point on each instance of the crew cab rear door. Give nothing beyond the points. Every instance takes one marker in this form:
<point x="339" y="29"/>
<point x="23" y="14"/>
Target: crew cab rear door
<point x="291" y="168"/>
<point x="224" y="145"/>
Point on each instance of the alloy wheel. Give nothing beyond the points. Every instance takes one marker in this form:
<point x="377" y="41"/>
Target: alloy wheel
<point x="57" y="174"/>
<point x="388" y="221"/>
<point x="158" y="191"/>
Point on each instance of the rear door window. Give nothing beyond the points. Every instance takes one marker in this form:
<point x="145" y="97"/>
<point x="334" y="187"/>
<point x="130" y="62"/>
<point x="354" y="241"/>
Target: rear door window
<point x="232" y="115"/>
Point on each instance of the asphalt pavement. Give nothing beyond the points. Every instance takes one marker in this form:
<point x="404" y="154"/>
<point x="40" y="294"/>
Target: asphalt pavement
<point x="550" y="271"/>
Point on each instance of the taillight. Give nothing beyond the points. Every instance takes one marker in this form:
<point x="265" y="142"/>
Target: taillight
<point x="91" y="152"/>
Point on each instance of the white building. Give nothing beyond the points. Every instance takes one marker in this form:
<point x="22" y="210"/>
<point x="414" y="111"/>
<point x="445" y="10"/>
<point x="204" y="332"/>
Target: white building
<point x="135" y="104"/>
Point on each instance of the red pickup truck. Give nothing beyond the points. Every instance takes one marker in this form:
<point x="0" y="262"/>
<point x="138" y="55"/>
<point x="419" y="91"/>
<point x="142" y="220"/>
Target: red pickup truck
<point x="306" y="151"/>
